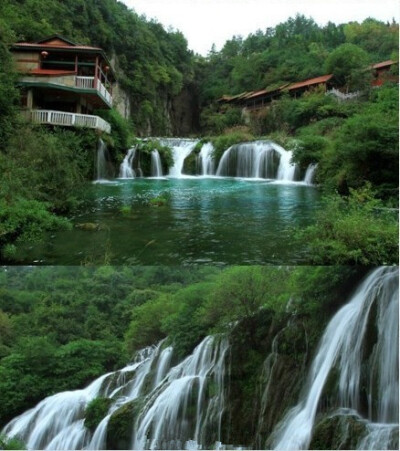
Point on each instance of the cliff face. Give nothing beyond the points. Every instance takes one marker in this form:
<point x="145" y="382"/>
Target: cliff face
<point x="184" y="112"/>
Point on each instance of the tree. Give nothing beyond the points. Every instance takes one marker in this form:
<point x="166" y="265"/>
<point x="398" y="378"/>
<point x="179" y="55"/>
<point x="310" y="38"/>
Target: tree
<point x="348" y="64"/>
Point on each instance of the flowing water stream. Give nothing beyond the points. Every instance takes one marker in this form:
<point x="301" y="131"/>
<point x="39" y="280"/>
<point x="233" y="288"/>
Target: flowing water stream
<point x="342" y="347"/>
<point x="179" y="406"/>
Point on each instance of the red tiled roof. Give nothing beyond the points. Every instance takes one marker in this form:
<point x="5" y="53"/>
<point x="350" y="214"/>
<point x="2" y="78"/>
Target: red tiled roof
<point x="264" y="91"/>
<point x="51" y="72"/>
<point x="311" y="81"/>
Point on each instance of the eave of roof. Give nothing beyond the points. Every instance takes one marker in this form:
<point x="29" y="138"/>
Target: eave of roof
<point x="309" y="82"/>
<point x="50" y="72"/>
<point x="383" y="64"/>
<point x="70" y="48"/>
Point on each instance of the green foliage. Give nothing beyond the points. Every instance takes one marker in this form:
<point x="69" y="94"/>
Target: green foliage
<point x="214" y="121"/>
<point x="61" y="327"/>
<point x="121" y="130"/>
<point x="223" y="142"/>
<point x="24" y="220"/>
<point x="11" y="443"/>
<point x="145" y="147"/>
<point x="153" y="63"/>
<point x="159" y="201"/>
<point x="49" y="166"/>
<point x="367" y="146"/>
<point x="347" y="63"/>
<point x="145" y="327"/>
<point x="8" y="95"/>
<point x="357" y="229"/>
<point x="186" y="327"/>
<point x="41" y="172"/>
<point x="95" y="411"/>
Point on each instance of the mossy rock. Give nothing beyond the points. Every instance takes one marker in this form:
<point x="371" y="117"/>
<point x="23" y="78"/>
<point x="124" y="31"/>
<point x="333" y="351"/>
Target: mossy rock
<point x="190" y="164"/>
<point x="120" y="426"/>
<point x="338" y="431"/>
<point x="88" y="226"/>
<point x="95" y="411"/>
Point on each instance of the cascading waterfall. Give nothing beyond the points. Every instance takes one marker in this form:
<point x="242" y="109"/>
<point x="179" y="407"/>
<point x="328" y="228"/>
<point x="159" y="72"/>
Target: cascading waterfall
<point x="101" y="161"/>
<point x="126" y="170"/>
<point x="183" y="404"/>
<point x="259" y="159"/>
<point x="57" y="422"/>
<point x="181" y="410"/>
<point x="206" y="161"/>
<point x="309" y="175"/>
<point x="156" y="167"/>
<point x="342" y="347"/>
<point x="181" y="148"/>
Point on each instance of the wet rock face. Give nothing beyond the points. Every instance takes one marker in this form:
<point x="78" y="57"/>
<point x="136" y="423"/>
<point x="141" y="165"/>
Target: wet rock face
<point x="338" y="431"/>
<point x="266" y="374"/>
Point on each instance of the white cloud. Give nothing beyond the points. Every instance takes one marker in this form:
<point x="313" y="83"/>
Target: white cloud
<point x="204" y="22"/>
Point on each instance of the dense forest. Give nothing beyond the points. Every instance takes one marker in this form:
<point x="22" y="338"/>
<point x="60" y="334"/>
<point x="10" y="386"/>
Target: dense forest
<point x="354" y="143"/>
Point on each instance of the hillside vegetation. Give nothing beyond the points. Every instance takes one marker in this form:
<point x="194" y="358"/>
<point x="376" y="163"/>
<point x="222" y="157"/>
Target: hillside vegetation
<point x="355" y="143"/>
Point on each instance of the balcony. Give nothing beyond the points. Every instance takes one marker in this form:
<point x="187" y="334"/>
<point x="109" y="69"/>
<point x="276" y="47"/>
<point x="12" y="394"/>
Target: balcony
<point x="71" y="82"/>
<point x="91" y="83"/>
<point x="69" y="119"/>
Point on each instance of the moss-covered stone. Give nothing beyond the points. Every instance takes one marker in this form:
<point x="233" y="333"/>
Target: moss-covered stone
<point x="120" y="426"/>
<point x="190" y="164"/>
<point x="338" y="431"/>
<point x="95" y="411"/>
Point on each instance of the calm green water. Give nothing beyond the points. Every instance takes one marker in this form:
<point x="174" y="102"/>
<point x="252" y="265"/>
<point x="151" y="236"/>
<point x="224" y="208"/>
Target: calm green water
<point x="205" y="221"/>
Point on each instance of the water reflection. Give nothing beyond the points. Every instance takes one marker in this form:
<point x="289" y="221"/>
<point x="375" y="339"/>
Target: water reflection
<point x="204" y="220"/>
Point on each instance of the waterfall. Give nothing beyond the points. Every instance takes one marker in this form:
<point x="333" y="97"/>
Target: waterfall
<point x="125" y="170"/>
<point x="181" y="148"/>
<point x="181" y="412"/>
<point x="206" y="160"/>
<point x="342" y="347"/>
<point x="101" y="161"/>
<point x="57" y="421"/>
<point x="309" y="176"/>
<point x="156" y="167"/>
<point x="183" y="404"/>
<point x="259" y="159"/>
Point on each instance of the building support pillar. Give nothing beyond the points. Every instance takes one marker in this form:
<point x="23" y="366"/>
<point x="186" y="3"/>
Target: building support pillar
<point x="29" y="99"/>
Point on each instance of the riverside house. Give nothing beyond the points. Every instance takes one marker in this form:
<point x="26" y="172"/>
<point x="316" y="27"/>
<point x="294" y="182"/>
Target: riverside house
<point x="63" y="83"/>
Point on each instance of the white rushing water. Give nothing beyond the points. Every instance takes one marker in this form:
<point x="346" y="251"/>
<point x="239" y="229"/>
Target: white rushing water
<point x="126" y="170"/>
<point x="179" y="408"/>
<point x="258" y="159"/>
<point x="206" y="160"/>
<point x="180" y="411"/>
<point x="156" y="167"/>
<point x="181" y="148"/>
<point x="101" y="161"/>
<point x="341" y="347"/>
<point x="309" y="175"/>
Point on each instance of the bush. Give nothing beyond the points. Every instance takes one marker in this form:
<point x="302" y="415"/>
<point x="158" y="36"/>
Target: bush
<point x="357" y="229"/>
<point x="95" y="411"/>
<point x="25" y="221"/>
<point x="223" y="142"/>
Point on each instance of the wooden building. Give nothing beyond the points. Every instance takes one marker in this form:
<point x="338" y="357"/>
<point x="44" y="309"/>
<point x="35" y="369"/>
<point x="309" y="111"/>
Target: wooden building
<point x="299" y="88"/>
<point x="62" y="83"/>
<point x="382" y="72"/>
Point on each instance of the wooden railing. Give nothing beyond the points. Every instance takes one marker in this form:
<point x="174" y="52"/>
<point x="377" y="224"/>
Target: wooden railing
<point x="69" y="119"/>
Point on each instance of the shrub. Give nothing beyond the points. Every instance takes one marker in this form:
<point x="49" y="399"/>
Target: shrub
<point x="353" y="230"/>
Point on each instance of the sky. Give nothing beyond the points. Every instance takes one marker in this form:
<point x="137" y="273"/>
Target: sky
<point x="208" y="22"/>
